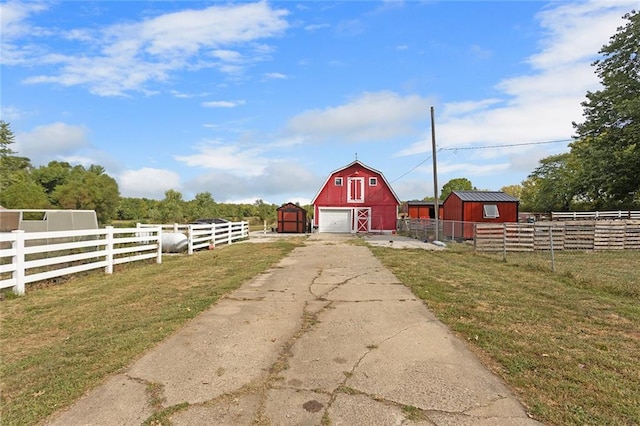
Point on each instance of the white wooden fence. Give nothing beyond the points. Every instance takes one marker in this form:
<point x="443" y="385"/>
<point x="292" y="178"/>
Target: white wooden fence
<point x="619" y="214"/>
<point x="26" y="257"/>
<point x="206" y="235"/>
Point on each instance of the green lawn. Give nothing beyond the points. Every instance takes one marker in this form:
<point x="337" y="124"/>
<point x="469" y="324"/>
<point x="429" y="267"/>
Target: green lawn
<point x="567" y="342"/>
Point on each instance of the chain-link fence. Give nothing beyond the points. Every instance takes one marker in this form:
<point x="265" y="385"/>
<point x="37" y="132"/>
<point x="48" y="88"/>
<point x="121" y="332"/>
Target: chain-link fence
<point x="425" y="229"/>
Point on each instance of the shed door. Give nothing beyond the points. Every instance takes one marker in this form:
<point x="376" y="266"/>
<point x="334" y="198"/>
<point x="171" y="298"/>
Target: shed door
<point x="334" y="220"/>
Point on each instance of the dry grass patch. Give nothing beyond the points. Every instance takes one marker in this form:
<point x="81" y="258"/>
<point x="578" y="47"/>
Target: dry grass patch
<point x="568" y="343"/>
<point x="59" y="341"/>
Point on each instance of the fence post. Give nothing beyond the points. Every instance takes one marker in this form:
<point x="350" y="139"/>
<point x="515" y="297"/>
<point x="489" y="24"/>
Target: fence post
<point x="504" y="242"/>
<point x="109" y="249"/>
<point x="19" y="261"/>
<point x="190" y="240"/>
<point x="229" y="240"/>
<point x="214" y="226"/>
<point x="553" y="259"/>
<point x="159" y="257"/>
<point x="475" y="236"/>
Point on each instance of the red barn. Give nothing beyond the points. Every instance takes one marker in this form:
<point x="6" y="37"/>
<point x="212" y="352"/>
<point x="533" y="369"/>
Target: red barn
<point x="476" y="206"/>
<point x="356" y="198"/>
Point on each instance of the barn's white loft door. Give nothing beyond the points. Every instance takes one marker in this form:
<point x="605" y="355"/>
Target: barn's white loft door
<point x="355" y="190"/>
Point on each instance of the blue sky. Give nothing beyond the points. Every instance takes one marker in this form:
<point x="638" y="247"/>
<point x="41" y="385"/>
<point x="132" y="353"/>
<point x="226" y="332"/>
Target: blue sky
<point x="262" y="100"/>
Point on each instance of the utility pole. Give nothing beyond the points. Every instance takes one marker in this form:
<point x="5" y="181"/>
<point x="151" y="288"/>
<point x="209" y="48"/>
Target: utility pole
<point x="435" y="175"/>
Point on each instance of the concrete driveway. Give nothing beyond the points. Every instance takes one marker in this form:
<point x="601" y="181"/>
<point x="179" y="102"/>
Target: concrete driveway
<point x="326" y="337"/>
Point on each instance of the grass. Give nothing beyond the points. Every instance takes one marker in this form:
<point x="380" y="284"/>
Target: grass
<point x="59" y="341"/>
<point x="567" y="342"/>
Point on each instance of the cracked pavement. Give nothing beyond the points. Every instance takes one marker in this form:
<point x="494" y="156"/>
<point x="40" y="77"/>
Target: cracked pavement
<point x="326" y="337"/>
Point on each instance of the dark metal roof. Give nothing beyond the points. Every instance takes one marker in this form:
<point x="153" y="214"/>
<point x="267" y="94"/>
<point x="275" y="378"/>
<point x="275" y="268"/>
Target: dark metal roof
<point x="485" y="196"/>
<point x="423" y="203"/>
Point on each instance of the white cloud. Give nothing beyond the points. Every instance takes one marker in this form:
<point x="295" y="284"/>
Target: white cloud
<point x="14" y="17"/>
<point x="577" y="31"/>
<point x="14" y="23"/>
<point x="369" y="117"/>
<point x="51" y="142"/>
<point x="128" y="57"/>
<point x="278" y="182"/>
<point x="469" y="169"/>
<point x="315" y="27"/>
<point x="228" y="55"/>
<point x="222" y="104"/>
<point x="147" y="182"/>
<point x="10" y="113"/>
<point x="541" y="105"/>
<point x="276" y="76"/>
<point x="229" y="158"/>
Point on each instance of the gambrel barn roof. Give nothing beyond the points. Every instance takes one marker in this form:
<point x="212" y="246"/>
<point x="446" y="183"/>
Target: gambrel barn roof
<point x="363" y="166"/>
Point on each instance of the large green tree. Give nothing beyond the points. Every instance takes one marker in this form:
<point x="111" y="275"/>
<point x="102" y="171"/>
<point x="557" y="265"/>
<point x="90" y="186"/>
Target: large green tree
<point x="89" y="190"/>
<point x="552" y="186"/>
<point x="608" y="141"/>
<point x="513" y="190"/>
<point x="54" y="174"/>
<point x="202" y="206"/>
<point x="456" y="184"/>
<point x="24" y="193"/>
<point x="171" y="208"/>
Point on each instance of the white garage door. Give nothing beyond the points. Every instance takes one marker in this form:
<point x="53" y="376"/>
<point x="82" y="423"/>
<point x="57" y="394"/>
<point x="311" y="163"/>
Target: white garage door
<point x="334" y="220"/>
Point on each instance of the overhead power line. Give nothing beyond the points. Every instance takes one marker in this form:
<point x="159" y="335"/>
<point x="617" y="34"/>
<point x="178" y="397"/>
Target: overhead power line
<point x="478" y="147"/>
<point x="505" y="145"/>
<point x="412" y="169"/>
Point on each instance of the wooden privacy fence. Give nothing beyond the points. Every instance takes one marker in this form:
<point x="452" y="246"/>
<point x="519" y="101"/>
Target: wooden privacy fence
<point x="27" y="257"/>
<point x="573" y="235"/>
<point x="207" y="235"/>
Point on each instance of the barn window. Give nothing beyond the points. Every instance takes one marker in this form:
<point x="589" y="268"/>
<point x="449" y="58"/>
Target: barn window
<point x="373" y="181"/>
<point x="338" y="181"/>
<point x="490" y="211"/>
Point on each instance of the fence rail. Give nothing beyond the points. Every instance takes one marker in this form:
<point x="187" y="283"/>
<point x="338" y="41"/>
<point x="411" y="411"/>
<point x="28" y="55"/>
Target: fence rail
<point x="597" y="215"/>
<point x="206" y="235"/>
<point x="580" y="235"/>
<point x="27" y="257"/>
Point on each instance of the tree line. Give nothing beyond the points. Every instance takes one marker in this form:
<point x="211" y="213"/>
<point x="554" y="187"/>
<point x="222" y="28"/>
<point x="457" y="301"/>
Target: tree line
<point x="59" y="185"/>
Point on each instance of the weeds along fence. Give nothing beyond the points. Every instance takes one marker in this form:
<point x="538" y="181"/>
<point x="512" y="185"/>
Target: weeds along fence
<point x="27" y="257"/>
<point x="554" y="242"/>
<point x="205" y="236"/>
